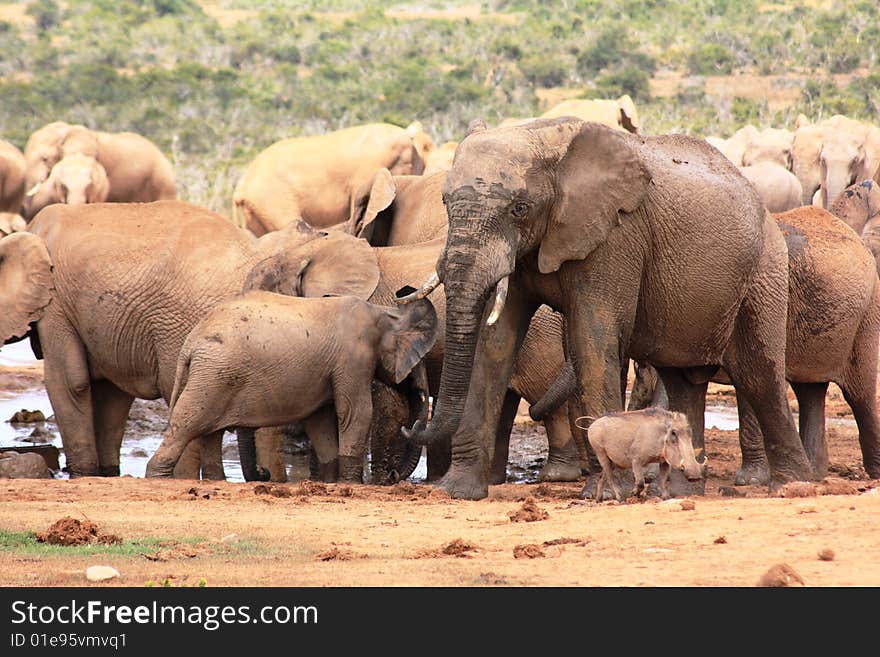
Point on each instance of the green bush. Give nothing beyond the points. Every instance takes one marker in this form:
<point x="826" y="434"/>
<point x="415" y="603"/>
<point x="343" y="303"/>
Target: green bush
<point x="710" y="59"/>
<point x="543" y="70"/>
<point x="46" y="14"/>
<point x="630" y="80"/>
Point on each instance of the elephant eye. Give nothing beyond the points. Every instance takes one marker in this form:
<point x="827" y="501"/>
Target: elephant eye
<point x="519" y="209"/>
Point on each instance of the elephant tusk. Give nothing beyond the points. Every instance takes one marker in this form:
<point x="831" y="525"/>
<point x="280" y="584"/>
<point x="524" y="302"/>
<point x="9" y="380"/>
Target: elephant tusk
<point x="33" y="190"/>
<point x="500" y="298"/>
<point x="426" y="289"/>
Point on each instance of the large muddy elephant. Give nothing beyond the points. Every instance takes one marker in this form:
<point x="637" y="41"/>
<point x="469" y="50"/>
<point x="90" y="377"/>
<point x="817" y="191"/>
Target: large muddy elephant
<point x="402" y="210"/>
<point x="263" y="359"/>
<point x="652" y="247"/>
<point x="313" y="178"/>
<point x="108" y="293"/>
<point x="831" y="155"/>
<point x="859" y="207"/>
<point x="136" y="170"/>
<point x="12" y="178"/>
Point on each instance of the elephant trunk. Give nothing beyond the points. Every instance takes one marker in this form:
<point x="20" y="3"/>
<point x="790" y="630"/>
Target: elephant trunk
<point x="247" y="453"/>
<point x="462" y="330"/>
<point x="419" y="406"/>
<point x="562" y="387"/>
<point x="835" y="180"/>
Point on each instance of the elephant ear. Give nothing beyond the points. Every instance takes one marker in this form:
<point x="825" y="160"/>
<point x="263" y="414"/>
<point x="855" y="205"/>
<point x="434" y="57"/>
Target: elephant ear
<point x="26" y="283"/>
<point x="599" y="176"/>
<point x="412" y="334"/>
<point x="332" y="264"/>
<point x="367" y="203"/>
<point x="629" y="117"/>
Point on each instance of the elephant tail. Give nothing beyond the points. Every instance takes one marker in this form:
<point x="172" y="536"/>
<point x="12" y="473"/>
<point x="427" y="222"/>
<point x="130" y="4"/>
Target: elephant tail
<point x="557" y="394"/>
<point x="181" y="376"/>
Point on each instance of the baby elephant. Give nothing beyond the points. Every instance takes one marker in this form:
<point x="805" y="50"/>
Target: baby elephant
<point x="264" y="359"/>
<point x="637" y="438"/>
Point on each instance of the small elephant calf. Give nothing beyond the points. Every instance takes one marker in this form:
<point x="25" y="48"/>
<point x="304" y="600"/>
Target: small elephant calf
<point x="264" y="359"/>
<point x="635" y="439"/>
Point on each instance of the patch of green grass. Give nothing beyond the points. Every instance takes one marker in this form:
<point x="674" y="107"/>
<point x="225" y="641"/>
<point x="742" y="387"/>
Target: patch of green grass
<point x="27" y="543"/>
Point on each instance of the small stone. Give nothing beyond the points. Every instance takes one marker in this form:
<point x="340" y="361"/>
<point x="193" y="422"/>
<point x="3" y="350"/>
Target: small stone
<point x="720" y="540"/>
<point x="229" y="538"/>
<point x="826" y="554"/>
<point x="781" y="575"/>
<point x="688" y="505"/>
<point x="25" y="416"/>
<point x="101" y="573"/>
<point x="731" y="491"/>
<point x="798" y="489"/>
<point x="139" y="453"/>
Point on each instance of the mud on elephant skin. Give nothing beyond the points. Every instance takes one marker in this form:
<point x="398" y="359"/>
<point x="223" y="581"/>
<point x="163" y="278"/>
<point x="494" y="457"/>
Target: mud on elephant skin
<point x="108" y="292"/>
<point x="265" y="359"/>
<point x="618" y="232"/>
<point x="832" y="336"/>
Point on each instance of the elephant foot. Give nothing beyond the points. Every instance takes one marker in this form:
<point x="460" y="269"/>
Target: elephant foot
<point x="560" y="472"/>
<point x="496" y="478"/>
<point x="158" y="469"/>
<point x="464" y="483"/>
<point x="589" y="490"/>
<point x="327" y="473"/>
<point x="563" y="464"/>
<point x="351" y="469"/>
<point x="109" y="471"/>
<point x="873" y="468"/>
<point x="779" y="477"/>
<point x="752" y="474"/>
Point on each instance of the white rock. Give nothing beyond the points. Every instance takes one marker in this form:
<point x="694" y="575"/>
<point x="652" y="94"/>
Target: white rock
<point x="101" y="573"/>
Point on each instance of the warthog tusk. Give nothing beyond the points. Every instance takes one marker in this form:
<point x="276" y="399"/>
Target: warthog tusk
<point x="500" y="298"/>
<point x="426" y="289"/>
<point x="33" y="190"/>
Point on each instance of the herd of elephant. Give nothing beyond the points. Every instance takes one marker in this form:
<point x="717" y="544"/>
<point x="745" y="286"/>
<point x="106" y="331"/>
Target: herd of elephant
<point x="388" y="296"/>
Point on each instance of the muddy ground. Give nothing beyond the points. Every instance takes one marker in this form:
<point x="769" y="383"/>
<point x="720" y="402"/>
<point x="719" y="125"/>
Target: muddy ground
<point x="235" y="534"/>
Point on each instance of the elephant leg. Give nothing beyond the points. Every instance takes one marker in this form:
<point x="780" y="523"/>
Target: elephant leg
<point x="498" y="473"/>
<point x="190" y="419"/>
<point x="321" y="427"/>
<point x="811" y="418"/>
<point x="110" y="407"/>
<point x="754" y="469"/>
<point x="686" y="397"/>
<point x="439" y="459"/>
<point x="189" y="464"/>
<point x="563" y="458"/>
<point x="859" y="385"/>
<point x="270" y="452"/>
<point x="66" y="373"/>
<point x="474" y="441"/>
<point x="595" y="352"/>
<point x="354" y="413"/>
<point x="211" y="456"/>
<point x="755" y="361"/>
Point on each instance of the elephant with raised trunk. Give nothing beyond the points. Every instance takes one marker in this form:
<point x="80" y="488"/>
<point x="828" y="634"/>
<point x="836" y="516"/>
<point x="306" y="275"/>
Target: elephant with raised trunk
<point x="654" y="248"/>
<point x="108" y="292"/>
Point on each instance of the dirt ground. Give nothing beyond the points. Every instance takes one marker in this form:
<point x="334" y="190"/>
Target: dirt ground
<point x="306" y="534"/>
